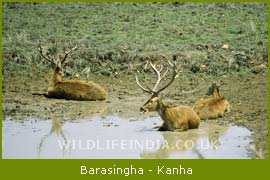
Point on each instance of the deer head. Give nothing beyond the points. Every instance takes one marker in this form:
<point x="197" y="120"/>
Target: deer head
<point x="56" y="60"/>
<point x="152" y="103"/>
<point x="213" y="89"/>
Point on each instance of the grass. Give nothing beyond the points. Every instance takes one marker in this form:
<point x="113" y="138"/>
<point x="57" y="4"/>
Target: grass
<point x="114" y="38"/>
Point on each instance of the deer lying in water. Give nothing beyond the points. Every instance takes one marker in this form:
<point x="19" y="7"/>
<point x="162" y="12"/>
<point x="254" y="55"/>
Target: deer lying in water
<point x="70" y="89"/>
<point x="213" y="107"/>
<point x="175" y="117"/>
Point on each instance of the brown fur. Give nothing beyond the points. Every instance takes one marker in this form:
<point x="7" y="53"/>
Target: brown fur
<point x="74" y="89"/>
<point x="176" y="117"/>
<point x="213" y="107"/>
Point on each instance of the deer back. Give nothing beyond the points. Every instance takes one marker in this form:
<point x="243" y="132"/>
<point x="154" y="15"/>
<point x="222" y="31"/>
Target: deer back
<point x="213" y="107"/>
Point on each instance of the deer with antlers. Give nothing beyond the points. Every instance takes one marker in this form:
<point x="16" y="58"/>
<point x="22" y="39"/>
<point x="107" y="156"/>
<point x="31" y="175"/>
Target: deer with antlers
<point x="175" y="117"/>
<point x="213" y="107"/>
<point x="70" y="89"/>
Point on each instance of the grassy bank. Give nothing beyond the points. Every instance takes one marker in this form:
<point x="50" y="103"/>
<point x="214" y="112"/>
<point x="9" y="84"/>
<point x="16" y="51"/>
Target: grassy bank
<point x="116" y="38"/>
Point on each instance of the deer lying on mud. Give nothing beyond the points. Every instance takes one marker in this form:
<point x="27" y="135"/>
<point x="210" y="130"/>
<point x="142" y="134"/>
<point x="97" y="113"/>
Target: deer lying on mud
<point x="70" y="89"/>
<point x="213" y="107"/>
<point x="175" y="117"/>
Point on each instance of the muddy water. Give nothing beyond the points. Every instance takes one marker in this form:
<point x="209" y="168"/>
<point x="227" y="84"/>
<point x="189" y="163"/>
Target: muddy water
<point x="117" y="137"/>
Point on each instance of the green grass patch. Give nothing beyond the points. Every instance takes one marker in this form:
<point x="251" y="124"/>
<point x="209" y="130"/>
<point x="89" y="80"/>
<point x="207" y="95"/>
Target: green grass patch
<point x="115" y="38"/>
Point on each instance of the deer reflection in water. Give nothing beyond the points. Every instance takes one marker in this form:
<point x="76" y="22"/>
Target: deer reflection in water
<point x="57" y="129"/>
<point x="192" y="141"/>
<point x="93" y="109"/>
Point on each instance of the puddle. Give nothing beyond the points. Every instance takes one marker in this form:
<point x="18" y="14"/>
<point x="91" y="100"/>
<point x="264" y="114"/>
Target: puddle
<point x="113" y="137"/>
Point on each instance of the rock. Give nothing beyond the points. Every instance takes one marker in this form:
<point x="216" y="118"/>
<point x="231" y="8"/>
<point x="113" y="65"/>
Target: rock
<point x="225" y="46"/>
<point x="203" y="67"/>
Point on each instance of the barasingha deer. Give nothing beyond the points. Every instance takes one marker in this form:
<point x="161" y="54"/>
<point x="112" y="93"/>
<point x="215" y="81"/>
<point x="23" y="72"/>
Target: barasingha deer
<point x="213" y="107"/>
<point x="70" y="89"/>
<point x="175" y="117"/>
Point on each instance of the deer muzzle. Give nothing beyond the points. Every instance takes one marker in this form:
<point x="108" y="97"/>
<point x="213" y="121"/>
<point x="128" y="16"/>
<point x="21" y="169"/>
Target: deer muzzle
<point x="142" y="109"/>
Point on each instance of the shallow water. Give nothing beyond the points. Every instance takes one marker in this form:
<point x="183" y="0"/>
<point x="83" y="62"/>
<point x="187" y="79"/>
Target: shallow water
<point x="114" y="137"/>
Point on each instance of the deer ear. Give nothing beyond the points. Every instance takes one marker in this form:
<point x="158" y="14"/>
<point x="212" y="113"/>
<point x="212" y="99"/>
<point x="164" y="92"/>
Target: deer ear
<point x="211" y="88"/>
<point x="217" y="83"/>
<point x="57" y="69"/>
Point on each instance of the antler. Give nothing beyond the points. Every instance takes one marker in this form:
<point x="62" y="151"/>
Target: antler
<point x="139" y="84"/>
<point x="67" y="52"/>
<point x="174" y="76"/>
<point x="44" y="56"/>
<point x="160" y="76"/>
<point x="55" y="60"/>
<point x="158" y="73"/>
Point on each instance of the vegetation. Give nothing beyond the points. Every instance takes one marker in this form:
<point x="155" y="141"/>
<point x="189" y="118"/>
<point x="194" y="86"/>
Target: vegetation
<point x="116" y="38"/>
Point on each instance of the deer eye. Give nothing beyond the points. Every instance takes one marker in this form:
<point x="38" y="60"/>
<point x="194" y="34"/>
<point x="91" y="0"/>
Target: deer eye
<point x="152" y="100"/>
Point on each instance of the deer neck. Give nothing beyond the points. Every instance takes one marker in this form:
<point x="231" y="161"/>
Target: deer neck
<point x="162" y="106"/>
<point x="57" y="77"/>
<point x="216" y="94"/>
